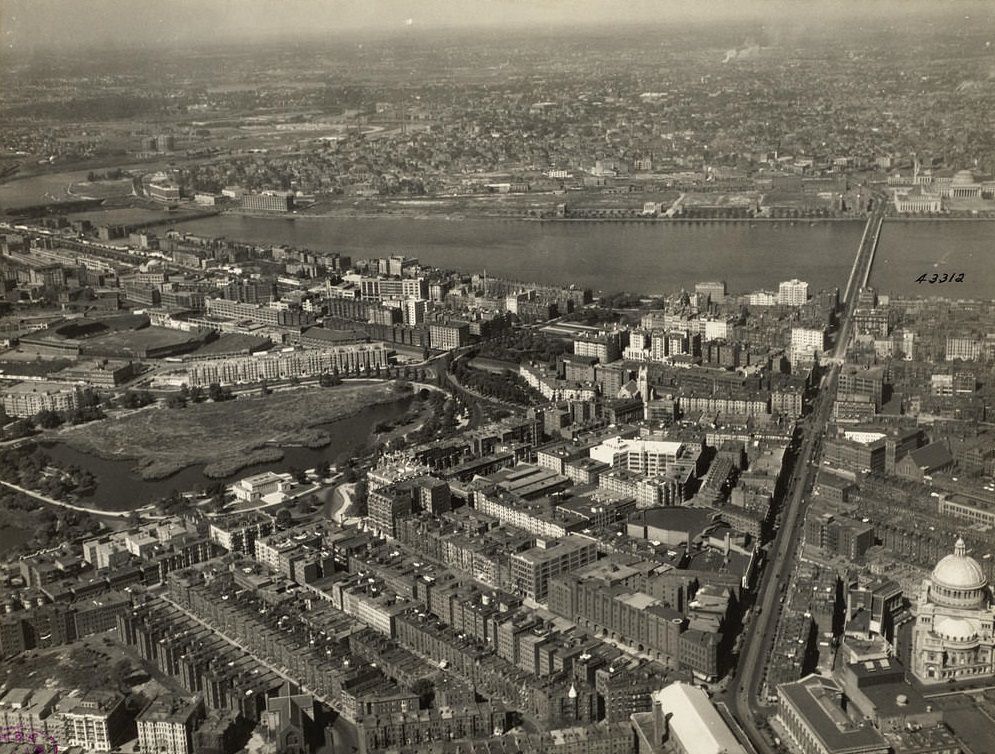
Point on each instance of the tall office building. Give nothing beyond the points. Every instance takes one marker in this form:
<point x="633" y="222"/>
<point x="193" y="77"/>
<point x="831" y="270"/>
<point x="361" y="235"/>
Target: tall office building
<point x="792" y="292"/>
<point x="806" y="344"/>
<point x="713" y="290"/>
<point x="413" y="310"/>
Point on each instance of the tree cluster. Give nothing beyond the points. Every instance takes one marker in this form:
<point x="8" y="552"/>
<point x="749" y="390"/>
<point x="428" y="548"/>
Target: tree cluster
<point x="136" y="399"/>
<point x="440" y="418"/>
<point x="523" y="346"/>
<point x="507" y="386"/>
<point x="108" y="175"/>
<point x="597" y="316"/>
<point x="197" y="394"/>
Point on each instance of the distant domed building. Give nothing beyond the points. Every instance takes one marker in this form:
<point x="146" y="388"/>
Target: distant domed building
<point x="963" y="185"/>
<point x="954" y="634"/>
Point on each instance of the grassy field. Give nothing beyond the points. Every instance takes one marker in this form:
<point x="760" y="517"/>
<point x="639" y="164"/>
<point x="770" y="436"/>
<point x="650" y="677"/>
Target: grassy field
<point x="101" y="189"/>
<point x="226" y="436"/>
<point x="39" y="189"/>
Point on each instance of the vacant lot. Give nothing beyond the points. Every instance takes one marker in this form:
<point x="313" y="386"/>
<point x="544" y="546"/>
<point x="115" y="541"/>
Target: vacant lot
<point x="226" y="436"/>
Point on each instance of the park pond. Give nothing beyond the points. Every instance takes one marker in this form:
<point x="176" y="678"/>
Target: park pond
<point x="120" y="487"/>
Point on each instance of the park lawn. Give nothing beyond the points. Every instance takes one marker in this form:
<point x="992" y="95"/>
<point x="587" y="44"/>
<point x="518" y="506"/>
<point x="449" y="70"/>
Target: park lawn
<point x="102" y="189"/>
<point x="230" y="435"/>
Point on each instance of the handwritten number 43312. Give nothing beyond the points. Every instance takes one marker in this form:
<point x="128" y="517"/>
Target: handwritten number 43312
<point x="941" y="277"/>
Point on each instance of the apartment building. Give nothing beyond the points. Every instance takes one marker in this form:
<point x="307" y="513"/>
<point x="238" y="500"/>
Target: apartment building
<point x="96" y="721"/>
<point x="25" y="399"/>
<point x="531" y="570"/>
<point x="349" y="358"/>
<point x="167" y="724"/>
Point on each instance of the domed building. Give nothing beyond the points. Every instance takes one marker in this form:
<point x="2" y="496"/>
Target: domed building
<point x="954" y="633"/>
<point x="964" y="185"/>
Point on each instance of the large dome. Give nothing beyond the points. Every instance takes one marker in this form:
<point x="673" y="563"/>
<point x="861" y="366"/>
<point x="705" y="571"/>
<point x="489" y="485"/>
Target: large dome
<point x="963" y="177"/>
<point x="955" y="629"/>
<point x="959" y="570"/>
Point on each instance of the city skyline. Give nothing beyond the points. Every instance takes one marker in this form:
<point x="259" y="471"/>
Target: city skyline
<point x="489" y="377"/>
<point x="51" y="24"/>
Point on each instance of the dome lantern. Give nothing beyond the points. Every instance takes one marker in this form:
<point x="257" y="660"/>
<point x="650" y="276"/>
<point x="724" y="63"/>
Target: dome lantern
<point x="960" y="548"/>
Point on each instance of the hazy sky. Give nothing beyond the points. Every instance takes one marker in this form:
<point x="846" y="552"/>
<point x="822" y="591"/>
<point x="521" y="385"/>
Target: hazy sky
<point x="29" y="24"/>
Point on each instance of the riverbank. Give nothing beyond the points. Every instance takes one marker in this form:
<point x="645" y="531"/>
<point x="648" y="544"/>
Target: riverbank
<point x="470" y="215"/>
<point x="943" y="219"/>
<point x="63" y="504"/>
<point x="349" y="213"/>
<point x="229" y="436"/>
<point x="697" y="220"/>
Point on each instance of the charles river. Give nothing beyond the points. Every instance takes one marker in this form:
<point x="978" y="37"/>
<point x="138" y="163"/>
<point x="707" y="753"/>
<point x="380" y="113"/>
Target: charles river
<point x="648" y="257"/>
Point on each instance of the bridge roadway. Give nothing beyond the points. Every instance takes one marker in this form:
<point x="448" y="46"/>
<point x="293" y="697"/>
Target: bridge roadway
<point x="743" y="698"/>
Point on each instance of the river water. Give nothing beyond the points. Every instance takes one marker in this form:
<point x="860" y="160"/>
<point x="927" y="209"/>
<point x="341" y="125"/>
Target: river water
<point x="118" y="487"/>
<point x="908" y="249"/>
<point x="636" y="256"/>
<point x="645" y="257"/>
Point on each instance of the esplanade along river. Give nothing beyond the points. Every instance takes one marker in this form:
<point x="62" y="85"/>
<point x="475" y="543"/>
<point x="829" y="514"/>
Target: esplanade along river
<point x="649" y="257"/>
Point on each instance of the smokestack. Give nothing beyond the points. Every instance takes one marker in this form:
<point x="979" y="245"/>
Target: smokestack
<point x="659" y="723"/>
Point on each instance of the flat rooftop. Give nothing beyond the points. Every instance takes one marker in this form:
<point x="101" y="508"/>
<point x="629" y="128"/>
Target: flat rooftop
<point x="25" y="388"/>
<point x="555" y="548"/>
<point x="815" y="699"/>
<point x="169" y="709"/>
